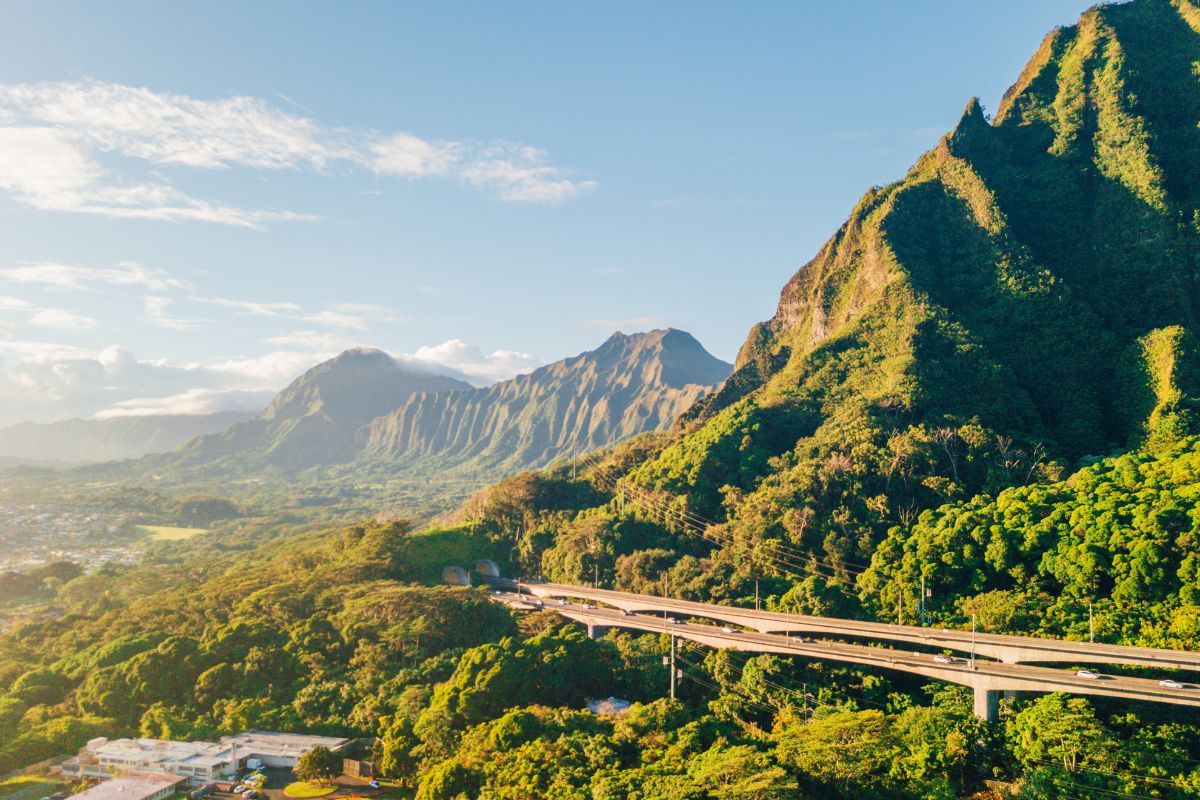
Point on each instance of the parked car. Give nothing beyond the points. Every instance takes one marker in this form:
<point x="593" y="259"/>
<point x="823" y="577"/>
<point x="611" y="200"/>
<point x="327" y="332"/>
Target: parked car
<point x="374" y="784"/>
<point x="238" y="789"/>
<point x="1167" y="683"/>
<point x="941" y="659"/>
<point x="1087" y="673"/>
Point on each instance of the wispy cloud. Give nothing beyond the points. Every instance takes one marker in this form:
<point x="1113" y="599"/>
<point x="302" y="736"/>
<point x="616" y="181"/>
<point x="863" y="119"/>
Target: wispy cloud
<point x="470" y="362"/>
<point x="157" y="312"/>
<point x="71" y="276"/>
<point x="58" y="140"/>
<point x="338" y="319"/>
<point x="60" y="319"/>
<point x="253" y="307"/>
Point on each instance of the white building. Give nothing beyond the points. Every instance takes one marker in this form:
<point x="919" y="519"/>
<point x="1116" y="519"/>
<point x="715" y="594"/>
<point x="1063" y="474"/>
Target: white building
<point x="197" y="762"/>
<point x="134" y="786"/>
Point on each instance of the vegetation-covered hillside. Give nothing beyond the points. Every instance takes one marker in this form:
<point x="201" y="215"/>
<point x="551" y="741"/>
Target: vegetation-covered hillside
<point x="988" y="379"/>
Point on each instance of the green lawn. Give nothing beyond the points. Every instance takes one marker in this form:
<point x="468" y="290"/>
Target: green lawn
<point x="305" y="789"/>
<point x="165" y="533"/>
<point x="29" y="787"/>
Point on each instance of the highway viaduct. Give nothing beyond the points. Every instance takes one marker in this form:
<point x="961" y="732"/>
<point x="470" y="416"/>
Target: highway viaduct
<point x="769" y="633"/>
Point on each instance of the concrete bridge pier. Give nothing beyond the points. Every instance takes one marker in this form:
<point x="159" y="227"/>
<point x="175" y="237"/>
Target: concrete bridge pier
<point x="987" y="703"/>
<point x="596" y="631"/>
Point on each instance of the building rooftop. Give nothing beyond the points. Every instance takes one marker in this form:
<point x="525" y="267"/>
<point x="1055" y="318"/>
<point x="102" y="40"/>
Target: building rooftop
<point x="269" y="743"/>
<point x="134" y="786"/>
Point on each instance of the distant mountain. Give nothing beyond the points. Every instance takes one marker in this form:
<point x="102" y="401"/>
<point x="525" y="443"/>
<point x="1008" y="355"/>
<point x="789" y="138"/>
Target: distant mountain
<point x="82" y="441"/>
<point x="314" y="420"/>
<point x="629" y="385"/>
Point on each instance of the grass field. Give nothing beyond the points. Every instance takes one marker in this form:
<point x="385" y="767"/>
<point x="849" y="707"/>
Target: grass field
<point x="29" y="787"/>
<point x="305" y="789"/>
<point x="165" y="533"/>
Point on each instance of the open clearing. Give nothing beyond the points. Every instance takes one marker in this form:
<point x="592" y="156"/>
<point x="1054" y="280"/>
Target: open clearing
<point x="165" y="533"/>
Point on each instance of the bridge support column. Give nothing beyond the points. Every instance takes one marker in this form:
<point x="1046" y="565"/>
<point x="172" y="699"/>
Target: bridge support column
<point x="596" y="631"/>
<point x="987" y="704"/>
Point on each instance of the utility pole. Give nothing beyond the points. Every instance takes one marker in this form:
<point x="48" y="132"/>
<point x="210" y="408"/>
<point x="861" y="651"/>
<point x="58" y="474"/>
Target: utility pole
<point x="922" y="600"/>
<point x="672" y="666"/>
<point x="972" y="641"/>
<point x="756" y="608"/>
<point x="1091" y="625"/>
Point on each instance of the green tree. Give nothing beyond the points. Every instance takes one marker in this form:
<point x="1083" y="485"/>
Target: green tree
<point x="319" y="765"/>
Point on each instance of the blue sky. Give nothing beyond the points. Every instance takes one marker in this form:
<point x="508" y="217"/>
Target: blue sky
<point x="197" y="201"/>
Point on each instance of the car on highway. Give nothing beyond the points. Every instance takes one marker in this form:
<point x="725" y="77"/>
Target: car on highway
<point x="803" y="640"/>
<point x="941" y="659"/>
<point x="1087" y="673"/>
<point x="672" y="621"/>
<point x="727" y="629"/>
<point x="1167" y="683"/>
<point x="626" y="612"/>
<point x="584" y="605"/>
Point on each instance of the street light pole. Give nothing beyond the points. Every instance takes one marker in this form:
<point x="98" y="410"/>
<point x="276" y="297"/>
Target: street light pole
<point x="756" y="594"/>
<point x="1091" y="625"/>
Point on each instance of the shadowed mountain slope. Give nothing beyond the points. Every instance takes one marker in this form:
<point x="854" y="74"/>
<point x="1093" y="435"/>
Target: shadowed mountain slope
<point x="629" y="385"/>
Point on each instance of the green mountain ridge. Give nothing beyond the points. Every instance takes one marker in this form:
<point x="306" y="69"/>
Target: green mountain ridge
<point x="314" y="420"/>
<point x="629" y="385"/>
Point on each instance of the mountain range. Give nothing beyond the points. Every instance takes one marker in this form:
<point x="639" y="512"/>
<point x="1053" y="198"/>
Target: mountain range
<point x="365" y="408"/>
<point x="82" y="441"/>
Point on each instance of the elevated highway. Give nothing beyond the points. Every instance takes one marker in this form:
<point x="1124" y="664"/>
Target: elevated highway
<point x="986" y="678"/>
<point x="1007" y="648"/>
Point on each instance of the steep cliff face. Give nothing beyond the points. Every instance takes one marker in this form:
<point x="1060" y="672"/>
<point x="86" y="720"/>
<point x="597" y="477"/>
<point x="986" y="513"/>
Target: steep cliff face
<point x="1035" y="247"/>
<point x="314" y="420"/>
<point x="629" y="385"/>
<point x="976" y="321"/>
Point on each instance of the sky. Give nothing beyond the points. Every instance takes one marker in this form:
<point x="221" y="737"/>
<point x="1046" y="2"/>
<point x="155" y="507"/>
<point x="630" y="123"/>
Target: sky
<point x="198" y="201"/>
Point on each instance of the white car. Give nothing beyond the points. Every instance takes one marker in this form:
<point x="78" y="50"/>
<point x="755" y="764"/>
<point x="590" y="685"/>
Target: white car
<point x="941" y="659"/>
<point x="1087" y="673"/>
<point x="728" y="630"/>
<point x="626" y="613"/>
<point x="803" y="640"/>
<point x="1167" y="683"/>
<point x="584" y="605"/>
<point x="375" y="785"/>
<point x="672" y="621"/>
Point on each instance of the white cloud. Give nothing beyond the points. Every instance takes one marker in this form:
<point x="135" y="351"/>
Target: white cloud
<point x="176" y="129"/>
<point x="471" y="363"/>
<point x="409" y="156"/>
<point x="11" y="303"/>
<point x="69" y="276"/>
<point x="193" y="401"/>
<point x="7" y="331"/>
<point x="157" y="312"/>
<point x="338" y="319"/>
<point x="253" y="307"/>
<point x="62" y="320"/>
<point x="51" y="170"/>
<point x="519" y="174"/>
<point x="61" y="145"/>
<point x="318" y="341"/>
